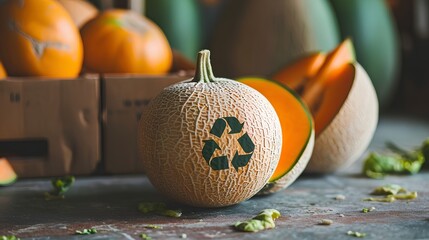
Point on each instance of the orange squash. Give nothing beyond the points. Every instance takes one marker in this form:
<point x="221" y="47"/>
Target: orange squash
<point x="39" y="38"/>
<point x="2" y="72"/>
<point x="81" y="11"/>
<point x="121" y="41"/>
<point x="7" y="174"/>
<point x="297" y="131"/>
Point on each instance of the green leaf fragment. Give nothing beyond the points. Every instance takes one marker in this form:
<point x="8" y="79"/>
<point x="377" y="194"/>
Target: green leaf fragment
<point x="159" y="208"/>
<point x="398" y="161"/>
<point x="145" y="236"/>
<point x="392" y="192"/>
<point x="61" y="186"/>
<point x="3" y="237"/>
<point x="356" y="234"/>
<point x="86" y="231"/>
<point x="153" y="226"/>
<point x="389" y="189"/>
<point x="264" y="220"/>
<point x="367" y="210"/>
<point x="378" y="166"/>
<point x="407" y="196"/>
<point x="389" y="198"/>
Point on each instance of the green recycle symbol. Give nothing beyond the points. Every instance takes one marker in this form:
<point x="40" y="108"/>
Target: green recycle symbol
<point x="210" y="146"/>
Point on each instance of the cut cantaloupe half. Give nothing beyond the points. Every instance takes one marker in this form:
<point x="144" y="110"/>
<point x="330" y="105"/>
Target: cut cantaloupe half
<point x="343" y="103"/>
<point x="7" y="174"/>
<point x="349" y="132"/>
<point x="297" y="131"/>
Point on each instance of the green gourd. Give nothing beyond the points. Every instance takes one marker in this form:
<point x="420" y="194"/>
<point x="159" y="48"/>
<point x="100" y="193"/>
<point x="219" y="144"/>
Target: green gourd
<point x="180" y="21"/>
<point x="371" y="28"/>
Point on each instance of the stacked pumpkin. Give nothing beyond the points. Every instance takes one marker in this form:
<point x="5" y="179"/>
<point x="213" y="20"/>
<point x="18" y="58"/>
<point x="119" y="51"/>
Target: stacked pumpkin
<point x="41" y="38"/>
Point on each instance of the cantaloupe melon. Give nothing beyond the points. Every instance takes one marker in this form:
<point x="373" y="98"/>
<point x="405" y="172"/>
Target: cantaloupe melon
<point x="7" y="174"/>
<point x="255" y="37"/>
<point x="344" y="106"/>
<point x="297" y="130"/>
<point x="208" y="141"/>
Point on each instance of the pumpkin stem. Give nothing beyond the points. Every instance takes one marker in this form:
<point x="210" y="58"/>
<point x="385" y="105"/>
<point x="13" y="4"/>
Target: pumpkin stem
<point x="204" y="72"/>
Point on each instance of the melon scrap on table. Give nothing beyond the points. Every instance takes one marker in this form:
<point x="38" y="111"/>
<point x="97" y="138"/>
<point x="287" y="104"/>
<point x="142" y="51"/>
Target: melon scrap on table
<point x="209" y="142"/>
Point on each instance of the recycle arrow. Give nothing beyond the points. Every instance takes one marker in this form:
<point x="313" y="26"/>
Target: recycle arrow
<point x="210" y="146"/>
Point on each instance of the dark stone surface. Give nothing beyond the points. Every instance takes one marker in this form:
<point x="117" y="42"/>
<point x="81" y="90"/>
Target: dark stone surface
<point x="109" y="204"/>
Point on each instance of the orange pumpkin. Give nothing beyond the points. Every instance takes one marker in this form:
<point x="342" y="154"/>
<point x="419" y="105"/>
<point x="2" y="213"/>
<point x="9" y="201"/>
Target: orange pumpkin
<point x="121" y="41"/>
<point x="39" y="38"/>
<point x="2" y="72"/>
<point x="81" y="11"/>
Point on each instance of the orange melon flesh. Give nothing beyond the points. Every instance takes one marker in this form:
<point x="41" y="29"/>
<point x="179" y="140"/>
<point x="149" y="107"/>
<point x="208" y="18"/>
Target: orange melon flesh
<point x="7" y="174"/>
<point x="295" y="76"/>
<point x="295" y="120"/>
<point x="335" y="62"/>
<point x="324" y="80"/>
<point x="335" y="93"/>
<point x="2" y="71"/>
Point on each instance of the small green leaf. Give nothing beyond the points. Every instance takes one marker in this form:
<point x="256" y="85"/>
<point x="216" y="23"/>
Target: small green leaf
<point x="153" y="226"/>
<point x="397" y="161"/>
<point x="145" y="236"/>
<point x="61" y="186"/>
<point x="264" y="220"/>
<point x="406" y="196"/>
<point x="367" y="210"/>
<point x="389" y="198"/>
<point x="159" y="208"/>
<point x="389" y="189"/>
<point x="3" y="237"/>
<point x="86" y="231"/>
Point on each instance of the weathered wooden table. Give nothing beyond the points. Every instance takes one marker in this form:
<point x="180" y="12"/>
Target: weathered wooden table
<point x="109" y="204"/>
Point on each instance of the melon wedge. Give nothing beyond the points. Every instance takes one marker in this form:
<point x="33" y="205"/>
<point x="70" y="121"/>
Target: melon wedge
<point x="343" y="103"/>
<point x="297" y="131"/>
<point x="7" y="174"/>
<point x="349" y="129"/>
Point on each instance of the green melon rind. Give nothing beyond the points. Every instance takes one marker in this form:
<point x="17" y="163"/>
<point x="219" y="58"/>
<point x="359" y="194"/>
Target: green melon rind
<point x="8" y="181"/>
<point x="304" y="156"/>
<point x="371" y="27"/>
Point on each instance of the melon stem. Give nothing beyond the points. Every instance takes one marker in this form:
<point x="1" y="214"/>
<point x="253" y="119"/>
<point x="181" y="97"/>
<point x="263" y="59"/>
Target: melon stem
<point x="204" y="72"/>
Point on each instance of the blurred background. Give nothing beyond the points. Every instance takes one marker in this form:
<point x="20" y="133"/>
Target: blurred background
<point x="391" y="38"/>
